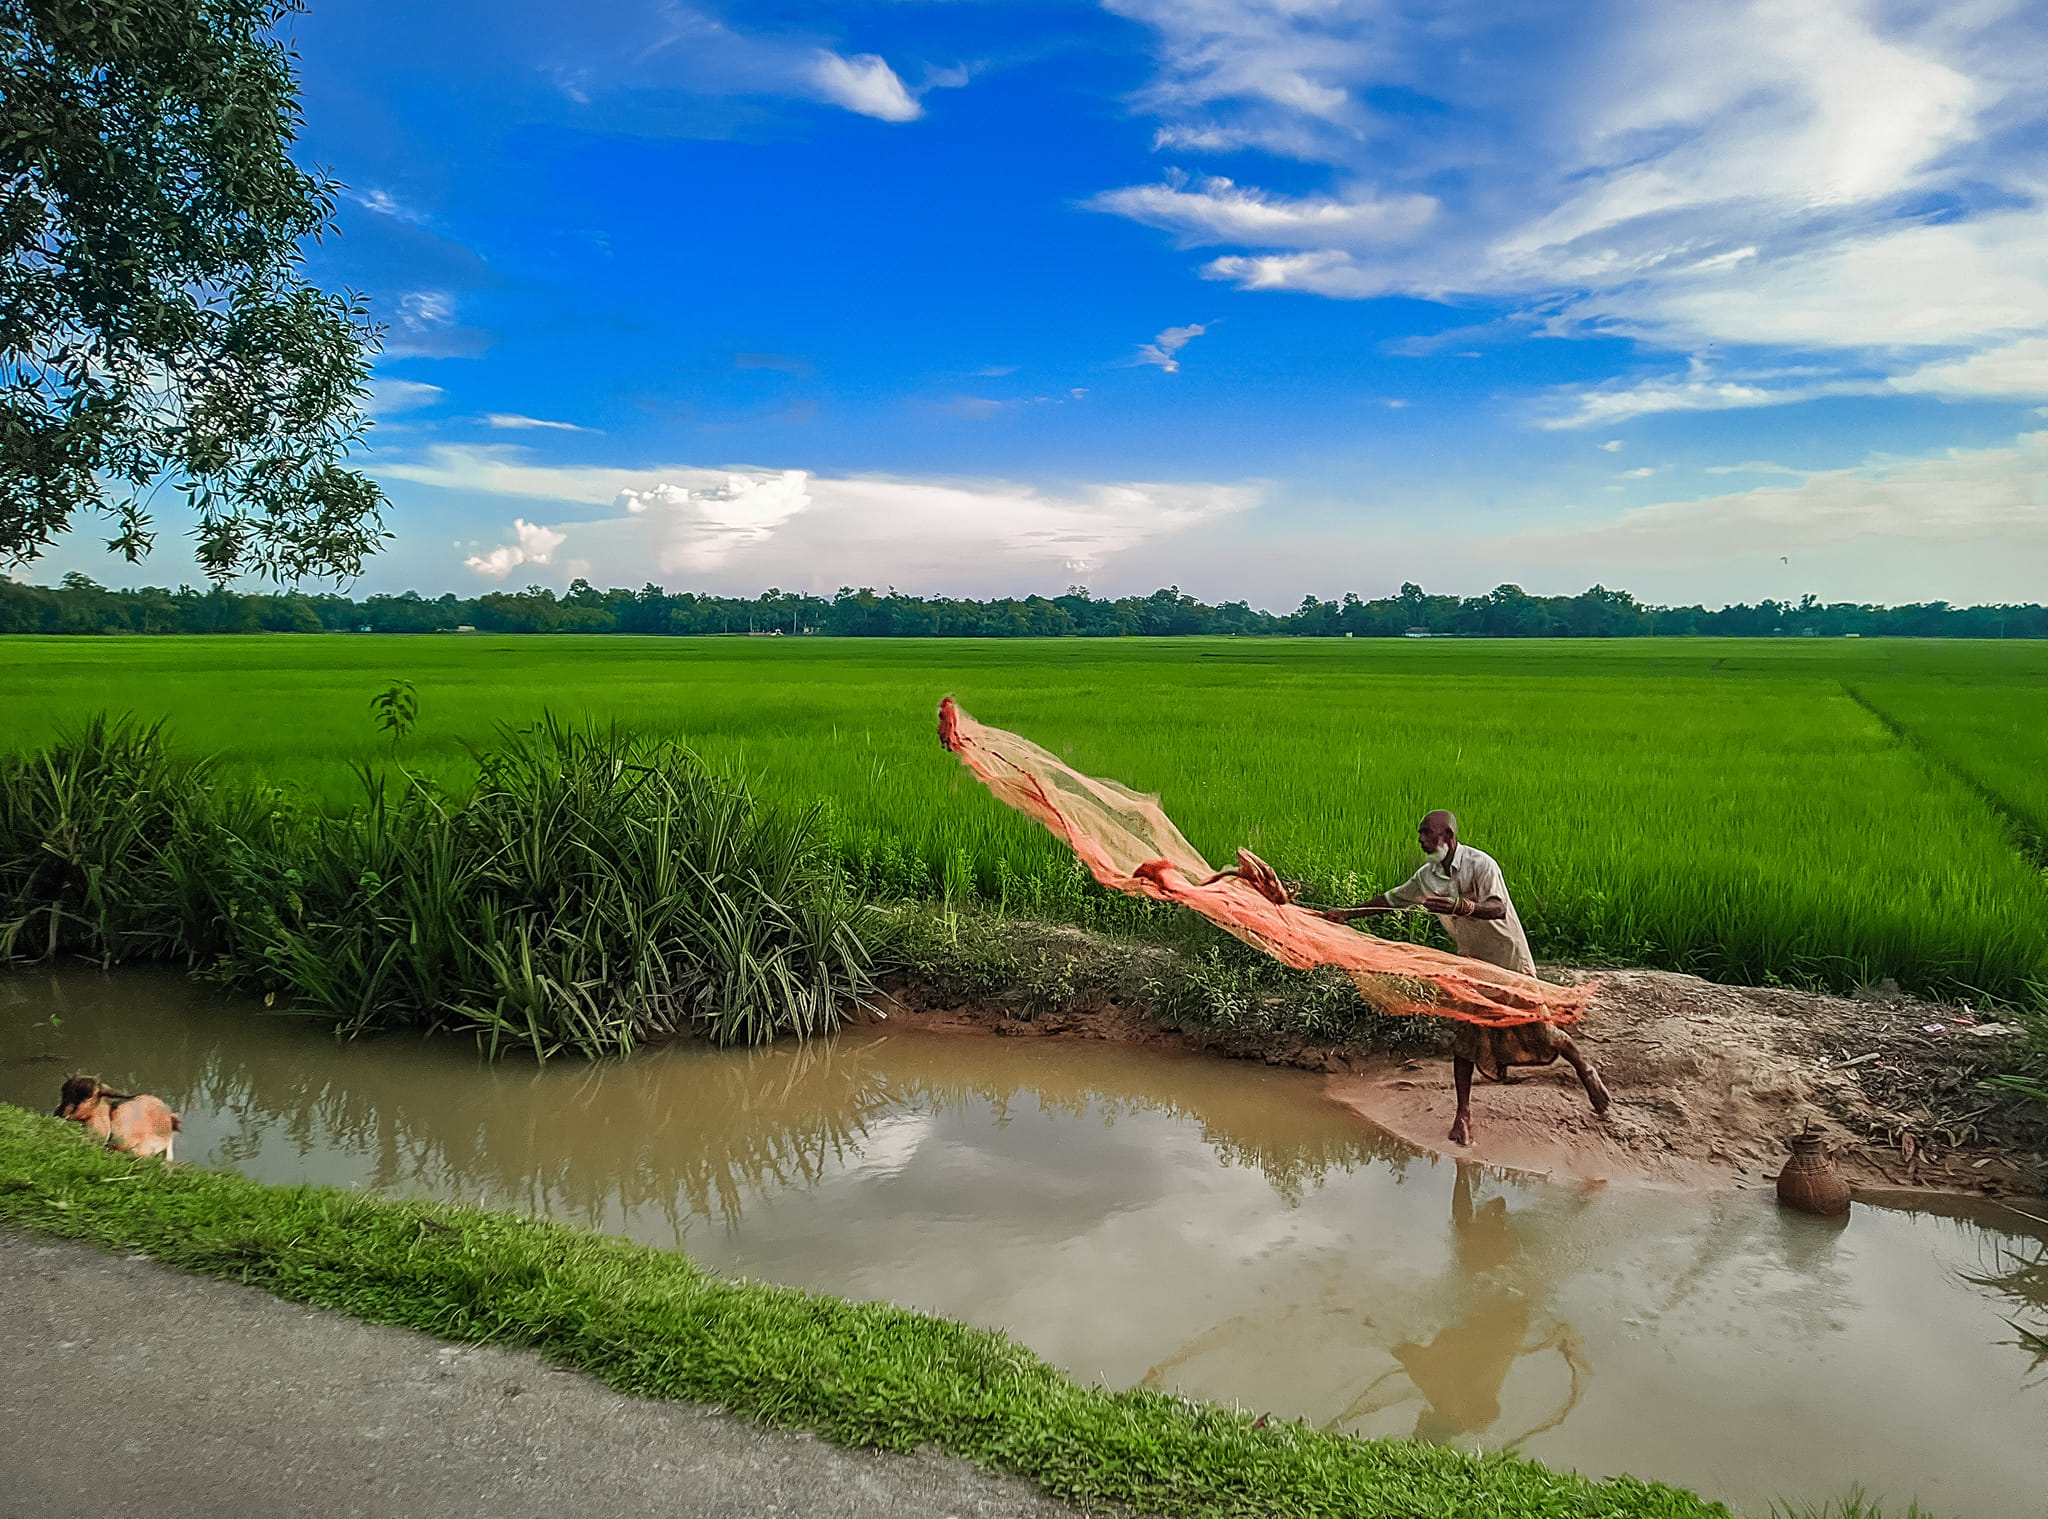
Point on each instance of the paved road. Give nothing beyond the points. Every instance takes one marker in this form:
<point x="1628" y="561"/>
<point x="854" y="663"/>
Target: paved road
<point x="133" y="1390"/>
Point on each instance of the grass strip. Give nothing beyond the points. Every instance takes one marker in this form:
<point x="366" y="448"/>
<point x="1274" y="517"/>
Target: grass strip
<point x="652" y="1324"/>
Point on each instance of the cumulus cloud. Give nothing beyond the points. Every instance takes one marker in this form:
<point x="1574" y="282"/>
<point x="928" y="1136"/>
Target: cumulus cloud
<point x="752" y="527"/>
<point x="865" y="84"/>
<point x="1164" y="350"/>
<point x="703" y="527"/>
<point x="536" y="545"/>
<point x="1823" y="175"/>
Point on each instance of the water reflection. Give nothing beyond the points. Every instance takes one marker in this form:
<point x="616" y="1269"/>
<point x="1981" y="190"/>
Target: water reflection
<point x="1458" y="1375"/>
<point x="2018" y="1272"/>
<point x="1209" y="1227"/>
<point x="1443" y="1341"/>
<point x="669" y="1134"/>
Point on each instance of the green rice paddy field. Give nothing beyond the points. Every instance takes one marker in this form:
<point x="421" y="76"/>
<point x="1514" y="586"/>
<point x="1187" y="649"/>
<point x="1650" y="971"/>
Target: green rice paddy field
<point x="1828" y="812"/>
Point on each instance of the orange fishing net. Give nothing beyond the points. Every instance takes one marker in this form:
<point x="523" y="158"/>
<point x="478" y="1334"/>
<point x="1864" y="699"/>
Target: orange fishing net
<point x="1129" y="844"/>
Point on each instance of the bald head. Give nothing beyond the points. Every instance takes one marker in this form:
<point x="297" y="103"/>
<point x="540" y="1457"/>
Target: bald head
<point x="1437" y="831"/>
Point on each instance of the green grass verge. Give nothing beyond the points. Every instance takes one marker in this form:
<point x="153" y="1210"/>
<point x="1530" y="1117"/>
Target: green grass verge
<point x="650" y="1323"/>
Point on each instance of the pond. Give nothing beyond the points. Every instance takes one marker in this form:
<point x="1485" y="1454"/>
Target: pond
<point x="1209" y="1227"/>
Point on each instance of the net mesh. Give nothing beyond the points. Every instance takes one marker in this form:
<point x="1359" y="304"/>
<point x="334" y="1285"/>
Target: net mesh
<point x="1128" y="843"/>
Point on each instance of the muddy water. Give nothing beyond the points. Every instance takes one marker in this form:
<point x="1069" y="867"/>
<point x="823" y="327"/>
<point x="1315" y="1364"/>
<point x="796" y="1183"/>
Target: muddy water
<point x="1204" y="1226"/>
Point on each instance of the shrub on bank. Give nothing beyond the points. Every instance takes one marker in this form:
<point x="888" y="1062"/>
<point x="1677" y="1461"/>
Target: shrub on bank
<point x="1209" y="984"/>
<point x="594" y="890"/>
<point x="112" y="847"/>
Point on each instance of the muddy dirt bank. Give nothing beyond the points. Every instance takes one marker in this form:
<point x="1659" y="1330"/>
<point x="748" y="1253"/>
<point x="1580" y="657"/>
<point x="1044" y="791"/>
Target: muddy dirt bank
<point x="1708" y="1081"/>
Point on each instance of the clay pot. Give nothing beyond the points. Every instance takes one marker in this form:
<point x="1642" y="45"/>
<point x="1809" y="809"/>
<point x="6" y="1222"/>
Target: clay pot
<point x="1809" y="1181"/>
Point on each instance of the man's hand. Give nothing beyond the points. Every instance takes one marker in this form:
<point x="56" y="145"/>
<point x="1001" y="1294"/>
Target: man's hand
<point x="1261" y="877"/>
<point x="1448" y="906"/>
<point x="1371" y="909"/>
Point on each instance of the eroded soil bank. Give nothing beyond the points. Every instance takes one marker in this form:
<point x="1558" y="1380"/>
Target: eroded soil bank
<point x="1708" y="1080"/>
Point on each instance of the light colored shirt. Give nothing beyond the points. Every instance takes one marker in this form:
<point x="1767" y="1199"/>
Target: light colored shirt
<point x="1472" y="876"/>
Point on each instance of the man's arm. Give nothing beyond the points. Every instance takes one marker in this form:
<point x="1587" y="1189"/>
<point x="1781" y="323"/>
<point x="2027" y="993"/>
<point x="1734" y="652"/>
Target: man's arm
<point x="1408" y="894"/>
<point x="1493" y="908"/>
<point x="1376" y="906"/>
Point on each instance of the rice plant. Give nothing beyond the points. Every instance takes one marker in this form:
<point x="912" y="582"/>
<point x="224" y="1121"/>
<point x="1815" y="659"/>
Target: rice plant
<point x="1745" y="809"/>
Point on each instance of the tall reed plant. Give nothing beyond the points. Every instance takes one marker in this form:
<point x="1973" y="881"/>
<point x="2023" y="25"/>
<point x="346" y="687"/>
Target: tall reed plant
<point x="592" y="889"/>
<point x="112" y="846"/>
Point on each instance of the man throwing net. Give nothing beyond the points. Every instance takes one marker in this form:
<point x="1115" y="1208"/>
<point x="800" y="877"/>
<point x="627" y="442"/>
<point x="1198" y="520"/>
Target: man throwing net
<point x="1126" y="841"/>
<point x="1464" y="887"/>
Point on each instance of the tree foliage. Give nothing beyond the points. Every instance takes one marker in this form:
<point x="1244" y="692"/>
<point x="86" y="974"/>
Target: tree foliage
<point x="155" y="328"/>
<point x="79" y="605"/>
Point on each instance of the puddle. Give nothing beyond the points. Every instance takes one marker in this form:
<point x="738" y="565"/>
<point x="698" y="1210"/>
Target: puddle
<point x="1209" y="1227"/>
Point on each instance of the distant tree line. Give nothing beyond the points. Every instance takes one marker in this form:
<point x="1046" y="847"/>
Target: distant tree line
<point x="78" y="605"/>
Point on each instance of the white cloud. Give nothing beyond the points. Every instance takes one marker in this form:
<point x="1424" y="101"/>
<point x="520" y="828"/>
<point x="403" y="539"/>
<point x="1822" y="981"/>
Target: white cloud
<point x="1997" y="495"/>
<point x="1643" y="472"/>
<point x="389" y="395"/>
<point x="1612" y="446"/>
<point x="752" y="527"/>
<point x="498" y="470"/>
<point x="1824" y="175"/>
<point x="512" y="421"/>
<point x="385" y="204"/>
<point x="697" y="50"/>
<point x="974" y="408"/>
<point x="2018" y="370"/>
<point x="423" y="309"/>
<point x="703" y="527"/>
<point x="1164" y="350"/>
<point x="1697" y="390"/>
<point x="865" y="84"/>
<point x="1218" y="211"/>
<point x="1330" y="272"/>
<point x="536" y="545"/>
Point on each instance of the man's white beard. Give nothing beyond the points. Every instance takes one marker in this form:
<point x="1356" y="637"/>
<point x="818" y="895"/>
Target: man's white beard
<point x="1439" y="854"/>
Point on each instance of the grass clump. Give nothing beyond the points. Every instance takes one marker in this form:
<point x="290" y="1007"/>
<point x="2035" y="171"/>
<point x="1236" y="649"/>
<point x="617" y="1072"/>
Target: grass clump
<point x="1855" y="1504"/>
<point x="592" y="890"/>
<point x="652" y="1324"/>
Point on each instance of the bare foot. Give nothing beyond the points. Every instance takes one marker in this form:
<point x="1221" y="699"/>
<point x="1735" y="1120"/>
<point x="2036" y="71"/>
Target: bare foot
<point x="1596" y="1089"/>
<point x="1461" y="1129"/>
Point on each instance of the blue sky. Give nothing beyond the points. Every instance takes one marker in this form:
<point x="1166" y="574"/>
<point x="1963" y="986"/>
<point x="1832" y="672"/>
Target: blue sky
<point x="1258" y="297"/>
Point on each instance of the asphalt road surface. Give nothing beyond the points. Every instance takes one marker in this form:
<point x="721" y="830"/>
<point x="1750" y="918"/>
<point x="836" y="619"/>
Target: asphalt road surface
<point x="130" y="1389"/>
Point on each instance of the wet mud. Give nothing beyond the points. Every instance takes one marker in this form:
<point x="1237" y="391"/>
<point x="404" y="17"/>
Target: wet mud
<point x="1709" y="1082"/>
